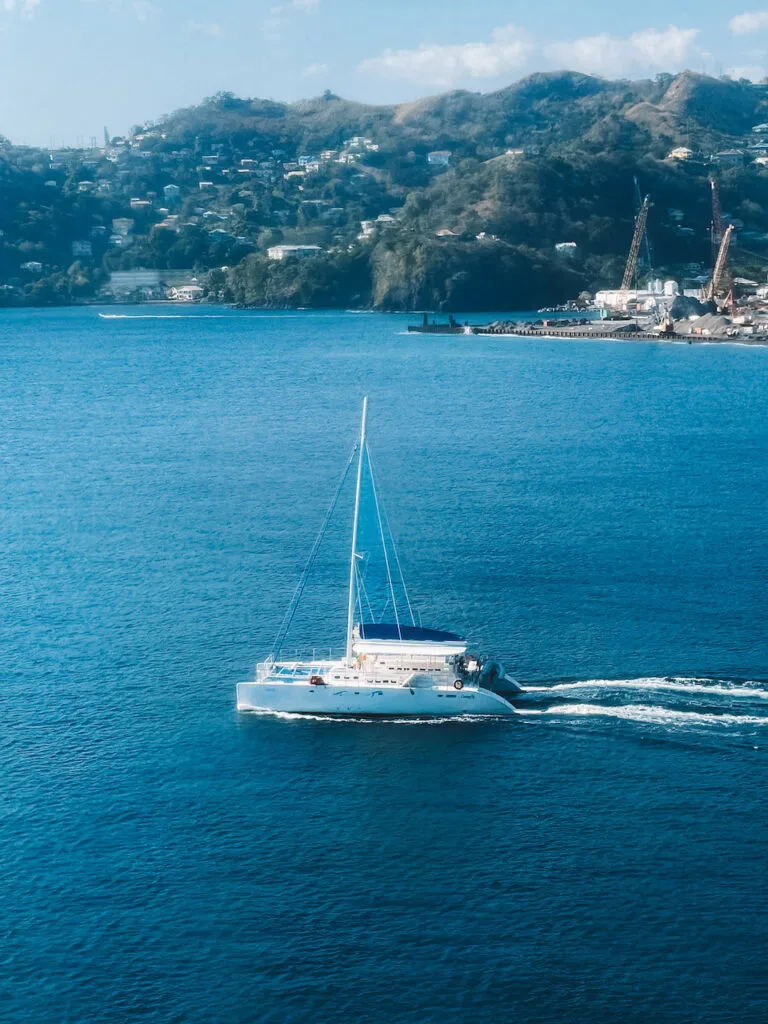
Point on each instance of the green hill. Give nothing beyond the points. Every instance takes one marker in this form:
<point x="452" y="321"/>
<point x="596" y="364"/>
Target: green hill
<point x="550" y="159"/>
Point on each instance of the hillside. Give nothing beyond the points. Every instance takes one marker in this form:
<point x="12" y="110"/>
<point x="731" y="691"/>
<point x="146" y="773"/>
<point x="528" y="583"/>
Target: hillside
<point x="459" y="201"/>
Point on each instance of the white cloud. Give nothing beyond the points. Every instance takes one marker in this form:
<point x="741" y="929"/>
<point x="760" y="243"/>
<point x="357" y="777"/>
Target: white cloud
<point x="749" y="22"/>
<point x="143" y="8"/>
<point x="315" y="70"/>
<point x="273" y="25"/>
<point x="753" y="72"/>
<point x="26" y="8"/>
<point x="651" y="49"/>
<point x="205" y="28"/>
<point x="511" y="50"/>
<point x="279" y="17"/>
<point x="506" y="52"/>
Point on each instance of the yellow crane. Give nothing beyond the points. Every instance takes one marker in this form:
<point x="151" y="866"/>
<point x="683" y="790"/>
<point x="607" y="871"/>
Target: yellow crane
<point x="720" y="273"/>
<point x="634" y="249"/>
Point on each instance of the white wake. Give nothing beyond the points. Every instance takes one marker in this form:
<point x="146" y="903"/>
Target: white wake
<point x="675" y="684"/>
<point x="647" y="713"/>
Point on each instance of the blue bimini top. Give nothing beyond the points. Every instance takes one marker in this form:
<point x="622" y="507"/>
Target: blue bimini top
<point x="390" y="631"/>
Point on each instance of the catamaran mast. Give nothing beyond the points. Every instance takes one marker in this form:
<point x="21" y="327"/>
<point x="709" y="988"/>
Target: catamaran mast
<point x="353" y="563"/>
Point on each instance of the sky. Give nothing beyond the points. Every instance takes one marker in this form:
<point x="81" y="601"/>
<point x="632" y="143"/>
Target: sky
<point x="70" y="68"/>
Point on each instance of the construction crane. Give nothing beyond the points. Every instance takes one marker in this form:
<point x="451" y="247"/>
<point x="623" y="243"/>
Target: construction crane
<point x="634" y="249"/>
<point x="720" y="273"/>
<point x="646" y="247"/>
<point x="717" y="228"/>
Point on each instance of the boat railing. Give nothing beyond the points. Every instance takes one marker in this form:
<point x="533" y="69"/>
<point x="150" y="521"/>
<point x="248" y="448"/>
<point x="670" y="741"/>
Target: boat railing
<point x="304" y="662"/>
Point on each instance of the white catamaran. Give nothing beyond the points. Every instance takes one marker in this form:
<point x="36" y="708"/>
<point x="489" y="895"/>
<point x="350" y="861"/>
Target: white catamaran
<point x="388" y="669"/>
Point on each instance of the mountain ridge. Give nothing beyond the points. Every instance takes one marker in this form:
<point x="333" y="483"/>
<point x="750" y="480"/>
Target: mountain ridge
<point x="456" y="200"/>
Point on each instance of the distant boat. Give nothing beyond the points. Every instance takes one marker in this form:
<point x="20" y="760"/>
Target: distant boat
<point x="388" y="668"/>
<point x="452" y="327"/>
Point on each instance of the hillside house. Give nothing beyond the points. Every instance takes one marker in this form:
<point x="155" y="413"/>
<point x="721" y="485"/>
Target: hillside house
<point x="439" y="158"/>
<point x="680" y="153"/>
<point x="186" y="293"/>
<point x="729" y="158"/>
<point x="359" y="142"/>
<point x="123" y="225"/>
<point x="286" y="252"/>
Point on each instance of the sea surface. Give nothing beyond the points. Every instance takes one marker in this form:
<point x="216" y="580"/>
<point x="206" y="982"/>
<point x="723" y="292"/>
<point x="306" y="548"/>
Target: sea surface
<point x="594" y="514"/>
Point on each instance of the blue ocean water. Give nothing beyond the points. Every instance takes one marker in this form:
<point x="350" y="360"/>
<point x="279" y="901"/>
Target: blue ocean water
<point x="594" y="514"/>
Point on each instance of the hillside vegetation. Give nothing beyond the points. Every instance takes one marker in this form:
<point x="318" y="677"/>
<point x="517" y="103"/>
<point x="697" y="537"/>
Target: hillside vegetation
<point x="512" y="174"/>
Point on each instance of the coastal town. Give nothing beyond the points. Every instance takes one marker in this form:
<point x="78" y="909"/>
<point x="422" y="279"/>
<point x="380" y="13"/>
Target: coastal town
<point x="197" y="209"/>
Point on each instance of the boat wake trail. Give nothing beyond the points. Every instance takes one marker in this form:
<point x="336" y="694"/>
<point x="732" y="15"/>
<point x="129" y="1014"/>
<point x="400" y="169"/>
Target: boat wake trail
<point x="648" y="713"/>
<point x="670" y="702"/>
<point x="672" y="684"/>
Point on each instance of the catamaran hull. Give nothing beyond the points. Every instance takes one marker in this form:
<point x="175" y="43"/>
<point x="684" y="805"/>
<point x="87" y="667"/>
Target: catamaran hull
<point x="393" y="702"/>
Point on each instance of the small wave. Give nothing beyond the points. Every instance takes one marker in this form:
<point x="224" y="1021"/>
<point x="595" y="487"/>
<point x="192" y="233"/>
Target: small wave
<point x="296" y="716"/>
<point x="676" y="684"/>
<point x="647" y="713"/>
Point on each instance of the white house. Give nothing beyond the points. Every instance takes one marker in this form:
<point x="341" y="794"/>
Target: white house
<point x="439" y="158"/>
<point x="186" y="293"/>
<point x="285" y="252"/>
<point x="122" y="225"/>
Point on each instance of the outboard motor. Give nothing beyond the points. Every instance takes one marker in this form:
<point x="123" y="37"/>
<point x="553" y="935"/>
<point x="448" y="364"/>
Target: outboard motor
<point x="494" y="677"/>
